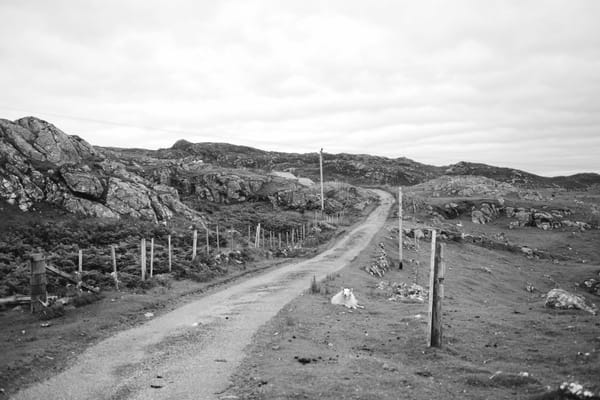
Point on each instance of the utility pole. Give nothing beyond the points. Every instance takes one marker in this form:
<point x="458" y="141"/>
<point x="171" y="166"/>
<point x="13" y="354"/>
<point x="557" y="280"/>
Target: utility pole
<point x="321" y="168"/>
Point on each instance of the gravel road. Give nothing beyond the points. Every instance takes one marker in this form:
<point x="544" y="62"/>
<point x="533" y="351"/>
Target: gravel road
<point x="191" y="352"/>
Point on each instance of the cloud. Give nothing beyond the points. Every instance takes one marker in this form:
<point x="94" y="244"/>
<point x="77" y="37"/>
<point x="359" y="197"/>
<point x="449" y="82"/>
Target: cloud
<point x="502" y="82"/>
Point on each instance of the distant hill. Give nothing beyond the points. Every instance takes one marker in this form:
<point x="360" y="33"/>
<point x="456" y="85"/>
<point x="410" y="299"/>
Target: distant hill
<point x="40" y="163"/>
<point x="521" y="178"/>
<point x="361" y="169"/>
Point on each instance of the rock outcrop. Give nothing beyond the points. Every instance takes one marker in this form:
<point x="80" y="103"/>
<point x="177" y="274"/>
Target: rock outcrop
<point x="40" y="163"/>
<point x="486" y="213"/>
<point x="544" y="219"/>
<point x="380" y="265"/>
<point x="560" y="298"/>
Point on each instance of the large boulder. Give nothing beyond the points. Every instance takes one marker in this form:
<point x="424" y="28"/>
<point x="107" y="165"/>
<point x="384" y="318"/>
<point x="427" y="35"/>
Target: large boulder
<point x="128" y="198"/>
<point x="486" y="213"/>
<point x="560" y="298"/>
<point x="54" y="145"/>
<point x="478" y="217"/>
<point x="523" y="217"/>
<point x="83" y="182"/>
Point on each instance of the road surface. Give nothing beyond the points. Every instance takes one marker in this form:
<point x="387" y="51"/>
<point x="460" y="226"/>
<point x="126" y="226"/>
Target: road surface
<point x="190" y="352"/>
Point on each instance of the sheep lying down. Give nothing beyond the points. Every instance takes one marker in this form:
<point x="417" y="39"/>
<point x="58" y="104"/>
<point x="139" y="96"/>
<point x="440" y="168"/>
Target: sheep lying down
<point x="345" y="297"/>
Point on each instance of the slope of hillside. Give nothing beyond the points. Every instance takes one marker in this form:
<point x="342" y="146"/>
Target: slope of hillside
<point x="41" y="164"/>
<point x="360" y="169"/>
<point x="352" y="168"/>
<point x="523" y="179"/>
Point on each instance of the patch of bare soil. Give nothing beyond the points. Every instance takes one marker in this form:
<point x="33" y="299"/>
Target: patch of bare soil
<point x="500" y="341"/>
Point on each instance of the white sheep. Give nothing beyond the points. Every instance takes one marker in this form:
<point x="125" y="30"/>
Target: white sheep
<point x="345" y="297"/>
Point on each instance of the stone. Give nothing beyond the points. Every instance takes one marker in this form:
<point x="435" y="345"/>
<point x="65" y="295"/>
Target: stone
<point x="127" y="198"/>
<point x="524" y="218"/>
<point x="84" y="183"/>
<point x="478" y="217"/>
<point x="527" y="251"/>
<point x="560" y="298"/>
<point x="88" y="208"/>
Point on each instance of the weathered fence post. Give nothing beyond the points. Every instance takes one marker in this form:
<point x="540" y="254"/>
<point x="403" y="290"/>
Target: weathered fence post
<point x="143" y="259"/>
<point x="151" y="257"/>
<point x="321" y="173"/>
<point x="38" y="282"/>
<point x="194" y="244"/>
<point x="218" y="244"/>
<point x="400" y="255"/>
<point x="80" y="267"/>
<point x="436" y="293"/>
<point x="169" y="244"/>
<point x="114" y="263"/>
<point x="257" y="236"/>
<point x="231" y="242"/>
<point x="207" y="242"/>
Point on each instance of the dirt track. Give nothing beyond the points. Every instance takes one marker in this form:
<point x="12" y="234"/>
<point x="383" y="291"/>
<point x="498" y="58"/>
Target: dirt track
<point x="191" y="352"/>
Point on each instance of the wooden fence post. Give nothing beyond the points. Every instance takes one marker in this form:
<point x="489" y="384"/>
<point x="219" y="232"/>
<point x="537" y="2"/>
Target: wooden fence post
<point x="80" y="268"/>
<point x="231" y="244"/>
<point x="436" y="293"/>
<point x="279" y="235"/>
<point x="143" y="259"/>
<point x="151" y="257"/>
<point x="218" y="244"/>
<point x="38" y="282"/>
<point x="400" y="255"/>
<point x="257" y="236"/>
<point x="169" y="244"/>
<point x="321" y="174"/>
<point x="194" y="244"/>
<point x="207" y="242"/>
<point x="114" y="263"/>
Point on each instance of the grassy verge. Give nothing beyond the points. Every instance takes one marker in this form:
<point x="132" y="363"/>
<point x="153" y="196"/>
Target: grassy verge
<point x="500" y="342"/>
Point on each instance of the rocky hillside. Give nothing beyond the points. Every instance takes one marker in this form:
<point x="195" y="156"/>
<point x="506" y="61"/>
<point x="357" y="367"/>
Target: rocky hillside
<point x="352" y="168"/>
<point x="41" y="164"/>
<point x="523" y="179"/>
<point x="358" y="169"/>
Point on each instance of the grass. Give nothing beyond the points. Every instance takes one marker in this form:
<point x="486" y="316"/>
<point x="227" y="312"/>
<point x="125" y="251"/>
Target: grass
<point x="314" y="288"/>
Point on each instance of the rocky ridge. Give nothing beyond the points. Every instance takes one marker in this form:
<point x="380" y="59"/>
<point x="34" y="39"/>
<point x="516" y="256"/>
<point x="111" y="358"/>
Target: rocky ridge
<point x="360" y="169"/>
<point x="40" y="163"/>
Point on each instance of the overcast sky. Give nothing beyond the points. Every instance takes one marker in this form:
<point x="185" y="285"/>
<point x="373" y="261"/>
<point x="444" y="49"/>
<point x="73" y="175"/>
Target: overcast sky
<point x="509" y="83"/>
